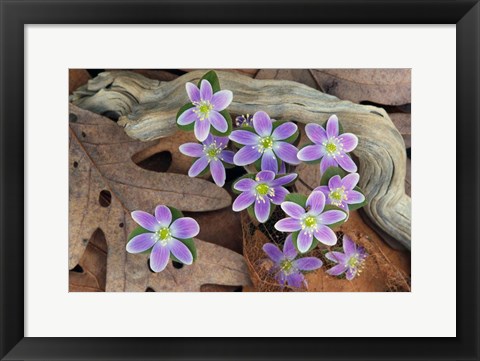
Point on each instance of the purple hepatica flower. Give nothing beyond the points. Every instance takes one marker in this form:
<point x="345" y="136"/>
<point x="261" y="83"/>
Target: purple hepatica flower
<point x="262" y="190"/>
<point x="212" y="152"/>
<point x="311" y="222"/>
<point x="352" y="261"/>
<point x="288" y="270"/>
<point x="340" y="192"/>
<point x="164" y="236"/>
<point x="206" y="109"/>
<point x="329" y="146"/>
<point x="244" y="121"/>
<point x="265" y="143"/>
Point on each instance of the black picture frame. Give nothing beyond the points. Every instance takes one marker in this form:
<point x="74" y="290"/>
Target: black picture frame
<point x="16" y="14"/>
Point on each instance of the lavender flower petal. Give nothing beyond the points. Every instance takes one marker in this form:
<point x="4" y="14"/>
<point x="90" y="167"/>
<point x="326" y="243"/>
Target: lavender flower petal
<point x="347" y="163"/>
<point x="244" y="137"/>
<point x="187" y="117"/>
<point x="288" y="225"/>
<point x="325" y="190"/>
<point x="349" y="140"/>
<point x="273" y="252"/>
<point x="355" y="197"/>
<point x="193" y="92"/>
<point x="269" y="161"/>
<point x="326" y="163"/>
<point x="332" y="126"/>
<point x="350" y="181"/>
<point x="218" y="121"/>
<point x="295" y="280"/>
<point x="289" y="249"/>
<point x="293" y="210"/>
<point x="337" y="270"/>
<point x="184" y="228"/>
<point x="262" y="124"/>
<point x="280" y="194"/>
<point x="304" y="241"/>
<point x="218" y="172"/>
<point x="163" y="215"/>
<point x="244" y="184"/>
<point x="145" y="220"/>
<point x="335" y="182"/>
<point x="201" y="129"/>
<point x="246" y="155"/>
<point x="181" y="251"/>
<point x="316" y="202"/>
<point x="284" y="131"/>
<point x="283" y="168"/>
<point x="308" y="263"/>
<point x="222" y="99"/>
<point x="206" y="91"/>
<point x="331" y="217"/>
<point x="325" y="235"/>
<point x="311" y="153"/>
<point x="351" y="273"/>
<point x="262" y="210"/>
<point x="227" y="156"/>
<point x="198" y="167"/>
<point x="191" y="149"/>
<point x="284" y="180"/>
<point x="141" y="243"/>
<point x="349" y="246"/>
<point x="243" y="201"/>
<point x="286" y="152"/>
<point x="337" y="257"/>
<point x="265" y="176"/>
<point x="316" y="133"/>
<point x="159" y="257"/>
<point x="222" y="142"/>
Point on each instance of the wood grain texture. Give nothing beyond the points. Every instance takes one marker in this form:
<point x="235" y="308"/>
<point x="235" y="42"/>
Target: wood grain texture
<point x="148" y="109"/>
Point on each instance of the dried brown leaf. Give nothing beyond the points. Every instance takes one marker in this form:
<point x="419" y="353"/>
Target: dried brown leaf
<point x="105" y="185"/>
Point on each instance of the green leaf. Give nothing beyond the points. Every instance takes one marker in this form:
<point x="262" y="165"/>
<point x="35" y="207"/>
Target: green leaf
<point x="227" y="117"/>
<point x="251" y="212"/>
<point x="212" y="78"/>
<point x="175" y="213"/>
<point x="300" y="199"/>
<point x="353" y="207"/>
<point x="331" y="207"/>
<point x="190" y="245"/>
<point x="188" y="127"/>
<point x="295" y="242"/>
<point x="331" y="172"/>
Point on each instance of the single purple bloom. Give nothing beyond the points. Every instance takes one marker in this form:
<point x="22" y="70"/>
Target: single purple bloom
<point x="265" y="142"/>
<point x="351" y="261"/>
<point x="206" y="109"/>
<point x="340" y="191"/>
<point x="210" y="153"/>
<point x="329" y="146"/>
<point x="287" y="269"/>
<point x="263" y="190"/>
<point x="164" y="236"/>
<point x="244" y="121"/>
<point x="311" y="222"/>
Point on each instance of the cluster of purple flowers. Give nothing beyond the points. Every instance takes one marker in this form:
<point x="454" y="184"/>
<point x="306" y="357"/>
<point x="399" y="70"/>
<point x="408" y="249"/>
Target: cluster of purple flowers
<point x="269" y="147"/>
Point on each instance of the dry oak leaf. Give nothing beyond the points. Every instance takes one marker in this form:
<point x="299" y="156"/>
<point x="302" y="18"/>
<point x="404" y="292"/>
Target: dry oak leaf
<point x="105" y="185"/>
<point x="214" y="265"/>
<point x="381" y="86"/>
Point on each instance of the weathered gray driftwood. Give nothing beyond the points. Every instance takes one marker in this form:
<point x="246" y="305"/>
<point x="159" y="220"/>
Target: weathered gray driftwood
<point x="147" y="109"/>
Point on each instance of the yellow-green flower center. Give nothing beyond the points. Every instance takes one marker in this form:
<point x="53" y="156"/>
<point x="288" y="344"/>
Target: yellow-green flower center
<point x="163" y="234"/>
<point x="337" y="196"/>
<point x="266" y="143"/>
<point x="213" y="150"/>
<point x="352" y="262"/>
<point x="262" y="189"/>
<point x="203" y="109"/>
<point x="286" y="266"/>
<point x="331" y="147"/>
<point x="310" y="222"/>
